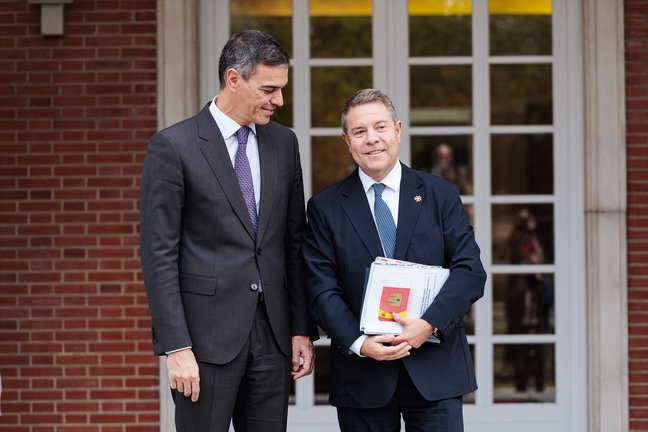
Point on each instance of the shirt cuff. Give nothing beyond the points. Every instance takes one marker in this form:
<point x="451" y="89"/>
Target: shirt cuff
<point x="355" y="348"/>
<point x="176" y="350"/>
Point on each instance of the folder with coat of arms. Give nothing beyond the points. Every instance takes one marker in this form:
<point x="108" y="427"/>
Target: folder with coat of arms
<point x="398" y="287"/>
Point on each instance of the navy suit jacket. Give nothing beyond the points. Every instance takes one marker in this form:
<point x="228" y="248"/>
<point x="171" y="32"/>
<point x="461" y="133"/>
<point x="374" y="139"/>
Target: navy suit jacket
<point x="201" y="259"/>
<point x="341" y="241"/>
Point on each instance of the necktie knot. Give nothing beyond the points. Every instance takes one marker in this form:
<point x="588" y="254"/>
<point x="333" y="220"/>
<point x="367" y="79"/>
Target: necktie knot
<point x="378" y="189"/>
<point x="242" y="135"/>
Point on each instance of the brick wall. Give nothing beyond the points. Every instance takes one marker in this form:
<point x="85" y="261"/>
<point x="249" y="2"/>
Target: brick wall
<point x="76" y="113"/>
<point x="636" y="47"/>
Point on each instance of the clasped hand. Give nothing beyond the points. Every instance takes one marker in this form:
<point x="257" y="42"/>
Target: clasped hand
<point x="389" y="347"/>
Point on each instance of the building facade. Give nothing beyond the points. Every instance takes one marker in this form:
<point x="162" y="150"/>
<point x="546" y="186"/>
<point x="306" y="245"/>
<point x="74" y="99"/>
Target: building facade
<point x="538" y="111"/>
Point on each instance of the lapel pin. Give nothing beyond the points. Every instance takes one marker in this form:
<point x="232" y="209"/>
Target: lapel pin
<point x="418" y="198"/>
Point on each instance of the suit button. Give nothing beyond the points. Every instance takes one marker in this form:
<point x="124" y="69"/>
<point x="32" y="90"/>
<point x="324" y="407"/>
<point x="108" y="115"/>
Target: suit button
<point x="254" y="287"/>
<point x="259" y="251"/>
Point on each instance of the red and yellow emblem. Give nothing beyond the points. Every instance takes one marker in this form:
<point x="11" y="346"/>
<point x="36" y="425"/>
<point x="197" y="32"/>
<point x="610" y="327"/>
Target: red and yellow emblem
<point x="393" y="301"/>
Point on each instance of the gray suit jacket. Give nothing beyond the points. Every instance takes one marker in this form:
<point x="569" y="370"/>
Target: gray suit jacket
<point x="201" y="258"/>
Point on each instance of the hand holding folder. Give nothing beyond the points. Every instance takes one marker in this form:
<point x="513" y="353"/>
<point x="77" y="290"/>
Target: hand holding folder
<point x="398" y="287"/>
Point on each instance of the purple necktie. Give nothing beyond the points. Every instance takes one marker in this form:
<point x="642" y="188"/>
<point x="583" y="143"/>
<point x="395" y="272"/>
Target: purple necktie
<point x="244" y="174"/>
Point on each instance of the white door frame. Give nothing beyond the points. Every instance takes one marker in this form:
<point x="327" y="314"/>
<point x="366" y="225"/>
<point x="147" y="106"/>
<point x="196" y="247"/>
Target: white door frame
<point x="605" y="214"/>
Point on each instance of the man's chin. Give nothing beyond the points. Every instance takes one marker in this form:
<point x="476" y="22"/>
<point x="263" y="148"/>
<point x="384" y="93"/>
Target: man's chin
<point x="263" y="120"/>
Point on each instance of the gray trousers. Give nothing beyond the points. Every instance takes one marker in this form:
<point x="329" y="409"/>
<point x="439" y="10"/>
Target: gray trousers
<point x="251" y="391"/>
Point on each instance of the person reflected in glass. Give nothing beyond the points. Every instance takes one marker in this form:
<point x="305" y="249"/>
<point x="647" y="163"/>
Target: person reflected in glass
<point x="444" y="166"/>
<point x="526" y="305"/>
<point x="384" y="208"/>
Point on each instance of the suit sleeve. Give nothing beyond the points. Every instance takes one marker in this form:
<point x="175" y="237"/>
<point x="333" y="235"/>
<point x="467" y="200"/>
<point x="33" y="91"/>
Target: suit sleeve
<point x="465" y="285"/>
<point x="161" y="204"/>
<point x="325" y="296"/>
<point x="301" y="322"/>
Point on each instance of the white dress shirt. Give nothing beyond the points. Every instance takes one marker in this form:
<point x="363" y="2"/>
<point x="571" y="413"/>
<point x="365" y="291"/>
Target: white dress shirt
<point x="228" y="128"/>
<point x="391" y="196"/>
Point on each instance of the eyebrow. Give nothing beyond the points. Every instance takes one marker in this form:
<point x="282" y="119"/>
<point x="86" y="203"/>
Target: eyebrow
<point x="378" y="123"/>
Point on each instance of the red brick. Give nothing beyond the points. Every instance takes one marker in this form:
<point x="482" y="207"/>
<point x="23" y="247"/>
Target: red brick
<point x="113" y="394"/>
<point x="77" y="407"/>
<point x="41" y="371"/>
<point x="41" y="394"/>
<point x="46" y="419"/>
<point x="112" y="418"/>
<point x="77" y="418"/>
<point x="80" y="429"/>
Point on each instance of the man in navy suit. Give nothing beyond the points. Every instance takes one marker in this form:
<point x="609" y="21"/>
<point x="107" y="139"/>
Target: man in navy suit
<point x="376" y="379"/>
<point x="222" y="219"/>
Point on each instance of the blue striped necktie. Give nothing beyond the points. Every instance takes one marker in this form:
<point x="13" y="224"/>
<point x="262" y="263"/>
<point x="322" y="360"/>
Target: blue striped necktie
<point x="384" y="221"/>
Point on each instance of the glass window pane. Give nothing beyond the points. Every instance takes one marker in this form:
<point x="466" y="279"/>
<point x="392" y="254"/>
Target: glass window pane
<point x="470" y="397"/>
<point x="521" y="94"/>
<point x="447" y="156"/>
<point x="440" y="95"/>
<point x="322" y="374"/>
<point x="523" y="234"/>
<point x="440" y="28"/>
<point x="291" y="395"/>
<point x="469" y="321"/>
<point x="470" y="212"/>
<point x="522" y="164"/>
<point x="520" y="28"/>
<point x="340" y="29"/>
<point x="524" y="373"/>
<point x="274" y="18"/>
<point x="284" y="114"/>
<point x="330" y="88"/>
<point x="330" y="161"/>
<point x="523" y="303"/>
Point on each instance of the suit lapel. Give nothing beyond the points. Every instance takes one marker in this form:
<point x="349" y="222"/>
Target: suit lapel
<point x="356" y="207"/>
<point x="410" y="203"/>
<point x="215" y="151"/>
<point x="268" y="159"/>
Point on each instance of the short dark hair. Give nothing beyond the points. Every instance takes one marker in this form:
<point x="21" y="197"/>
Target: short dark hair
<point x="247" y="49"/>
<point x="365" y="96"/>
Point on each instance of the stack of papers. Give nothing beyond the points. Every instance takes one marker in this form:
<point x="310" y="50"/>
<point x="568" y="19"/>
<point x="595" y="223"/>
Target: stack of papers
<point x="398" y="287"/>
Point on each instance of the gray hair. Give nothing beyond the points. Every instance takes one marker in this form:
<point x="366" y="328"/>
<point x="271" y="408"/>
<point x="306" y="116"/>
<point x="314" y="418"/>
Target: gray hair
<point x="247" y="49"/>
<point x="366" y="96"/>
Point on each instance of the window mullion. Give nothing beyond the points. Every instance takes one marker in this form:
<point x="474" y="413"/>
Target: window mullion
<point x="481" y="157"/>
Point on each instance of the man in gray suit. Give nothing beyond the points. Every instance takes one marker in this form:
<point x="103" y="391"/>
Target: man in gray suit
<point x="221" y="219"/>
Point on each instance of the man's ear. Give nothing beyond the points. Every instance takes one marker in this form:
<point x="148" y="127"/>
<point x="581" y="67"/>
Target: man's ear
<point x="232" y="78"/>
<point x="347" y="140"/>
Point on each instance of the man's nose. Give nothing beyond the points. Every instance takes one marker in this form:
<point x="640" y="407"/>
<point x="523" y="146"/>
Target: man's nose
<point x="372" y="136"/>
<point x="277" y="98"/>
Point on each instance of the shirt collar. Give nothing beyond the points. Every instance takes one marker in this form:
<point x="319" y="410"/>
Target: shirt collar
<point x="391" y="180"/>
<point x="227" y="126"/>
